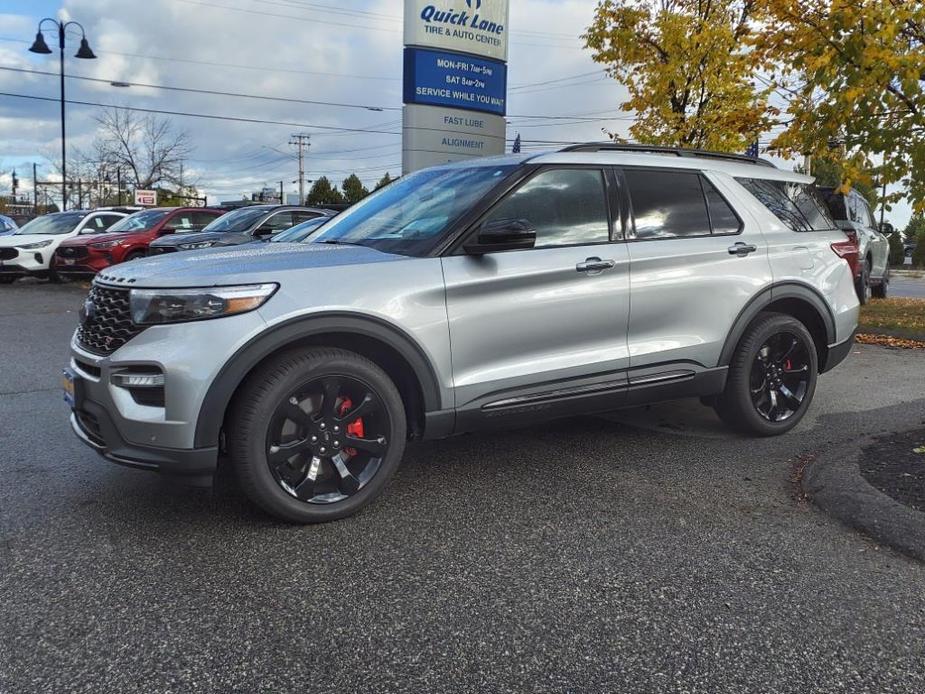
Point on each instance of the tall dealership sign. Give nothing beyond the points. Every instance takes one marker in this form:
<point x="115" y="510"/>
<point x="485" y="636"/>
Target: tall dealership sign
<point x="455" y="81"/>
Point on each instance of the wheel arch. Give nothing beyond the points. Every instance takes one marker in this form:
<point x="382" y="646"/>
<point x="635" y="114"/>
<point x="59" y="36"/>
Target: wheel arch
<point x="386" y="345"/>
<point x="801" y="301"/>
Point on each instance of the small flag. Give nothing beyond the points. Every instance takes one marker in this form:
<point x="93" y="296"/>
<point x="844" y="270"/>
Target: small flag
<point x="752" y="150"/>
<point x="516" y="149"/>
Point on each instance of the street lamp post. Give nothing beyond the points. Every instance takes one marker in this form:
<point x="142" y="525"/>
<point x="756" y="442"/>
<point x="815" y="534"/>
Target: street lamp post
<point x="84" y="52"/>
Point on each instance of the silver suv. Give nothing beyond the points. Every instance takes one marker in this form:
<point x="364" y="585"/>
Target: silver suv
<point x="490" y="293"/>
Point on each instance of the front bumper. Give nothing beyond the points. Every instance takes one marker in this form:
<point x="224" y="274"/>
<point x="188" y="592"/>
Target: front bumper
<point x="93" y="426"/>
<point x="156" y="435"/>
<point x="27" y="262"/>
<point x="84" y="265"/>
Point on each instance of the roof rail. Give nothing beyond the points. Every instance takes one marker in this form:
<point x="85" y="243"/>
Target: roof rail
<point x="658" y="149"/>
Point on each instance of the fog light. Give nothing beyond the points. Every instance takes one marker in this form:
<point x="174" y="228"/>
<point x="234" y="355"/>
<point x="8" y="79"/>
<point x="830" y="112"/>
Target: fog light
<point x="138" y="380"/>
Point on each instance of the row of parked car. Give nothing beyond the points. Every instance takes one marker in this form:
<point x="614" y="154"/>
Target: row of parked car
<point x="84" y="242"/>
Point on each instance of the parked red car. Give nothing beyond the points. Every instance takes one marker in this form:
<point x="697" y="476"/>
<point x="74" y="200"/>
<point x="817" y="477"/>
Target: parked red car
<point x="128" y="238"/>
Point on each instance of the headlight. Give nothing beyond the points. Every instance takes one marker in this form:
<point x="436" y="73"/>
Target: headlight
<point x="198" y="244"/>
<point x="105" y="244"/>
<point x="38" y="244"/>
<point x="153" y="306"/>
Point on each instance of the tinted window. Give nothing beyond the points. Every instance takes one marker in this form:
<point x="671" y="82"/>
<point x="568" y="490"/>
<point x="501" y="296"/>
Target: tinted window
<point x="182" y="221"/>
<point x="411" y="215"/>
<point x="278" y="222"/>
<point x="105" y="221"/>
<point x="722" y="219"/>
<point x="565" y="206"/>
<point x="798" y="205"/>
<point x="667" y="204"/>
<point x="55" y="223"/>
<point x="300" y="217"/>
<point x="864" y="216"/>
<point x="238" y="220"/>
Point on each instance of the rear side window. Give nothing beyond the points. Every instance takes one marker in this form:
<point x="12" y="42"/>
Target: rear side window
<point x="565" y="206"/>
<point x="798" y="205"/>
<point x="671" y="204"/>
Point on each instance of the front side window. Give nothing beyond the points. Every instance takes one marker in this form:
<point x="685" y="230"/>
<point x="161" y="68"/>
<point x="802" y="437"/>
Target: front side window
<point x="278" y="222"/>
<point x="411" y="215"/>
<point x="53" y="224"/>
<point x="565" y="206"/>
<point x="667" y="204"/>
<point x="139" y="221"/>
<point x="798" y="205"/>
<point x="238" y="220"/>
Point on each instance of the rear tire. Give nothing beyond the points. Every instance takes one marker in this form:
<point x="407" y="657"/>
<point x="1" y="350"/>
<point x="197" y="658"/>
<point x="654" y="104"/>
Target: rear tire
<point x="881" y="290"/>
<point x="862" y="284"/>
<point x="301" y="408"/>
<point x="772" y="377"/>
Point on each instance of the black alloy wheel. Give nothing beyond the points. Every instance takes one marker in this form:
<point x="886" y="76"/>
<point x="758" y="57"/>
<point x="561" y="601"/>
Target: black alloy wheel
<point x="315" y="434"/>
<point x="327" y="439"/>
<point x="780" y="376"/>
<point x="772" y="377"/>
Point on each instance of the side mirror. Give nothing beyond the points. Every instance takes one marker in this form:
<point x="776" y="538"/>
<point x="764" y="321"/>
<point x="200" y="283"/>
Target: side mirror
<point x="163" y="231"/>
<point x="886" y="228"/>
<point x="264" y="232"/>
<point x="502" y="235"/>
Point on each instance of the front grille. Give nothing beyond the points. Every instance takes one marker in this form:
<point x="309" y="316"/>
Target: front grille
<point x="106" y="322"/>
<point x="158" y="250"/>
<point x="72" y="251"/>
<point x="8" y="253"/>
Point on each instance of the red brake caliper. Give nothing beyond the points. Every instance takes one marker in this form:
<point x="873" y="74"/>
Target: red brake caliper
<point x="355" y="428"/>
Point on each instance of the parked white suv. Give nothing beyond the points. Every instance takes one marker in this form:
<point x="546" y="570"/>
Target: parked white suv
<point x="29" y="249"/>
<point x="852" y="214"/>
<point x="486" y="293"/>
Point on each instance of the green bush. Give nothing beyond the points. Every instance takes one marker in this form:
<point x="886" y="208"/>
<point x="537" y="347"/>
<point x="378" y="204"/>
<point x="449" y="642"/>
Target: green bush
<point x="897" y="250"/>
<point x="918" y="255"/>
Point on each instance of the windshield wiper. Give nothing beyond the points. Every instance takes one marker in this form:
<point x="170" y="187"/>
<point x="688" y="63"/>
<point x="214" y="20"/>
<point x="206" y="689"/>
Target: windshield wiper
<point x="339" y="242"/>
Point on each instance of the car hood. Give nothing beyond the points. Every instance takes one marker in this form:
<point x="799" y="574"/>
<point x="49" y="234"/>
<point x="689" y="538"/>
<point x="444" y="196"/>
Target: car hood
<point x="23" y="239"/>
<point x="87" y="239"/>
<point x="245" y="264"/>
<point x="199" y="236"/>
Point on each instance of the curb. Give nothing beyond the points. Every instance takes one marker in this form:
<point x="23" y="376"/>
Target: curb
<point x="833" y="481"/>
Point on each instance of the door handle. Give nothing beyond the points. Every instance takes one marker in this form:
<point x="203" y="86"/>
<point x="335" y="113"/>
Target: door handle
<point x="742" y="249"/>
<point x="594" y="265"/>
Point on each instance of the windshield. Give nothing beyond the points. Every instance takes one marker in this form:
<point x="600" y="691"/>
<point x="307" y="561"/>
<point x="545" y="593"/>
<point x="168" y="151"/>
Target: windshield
<point x="299" y="231"/>
<point x="409" y="215"/>
<point x="139" y="221"/>
<point x="52" y="224"/>
<point x="239" y="220"/>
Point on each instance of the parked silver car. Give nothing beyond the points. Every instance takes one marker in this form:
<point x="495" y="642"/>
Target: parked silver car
<point x="852" y="213"/>
<point x="481" y="294"/>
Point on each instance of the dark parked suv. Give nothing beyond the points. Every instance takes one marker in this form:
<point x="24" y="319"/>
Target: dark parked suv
<point x="243" y="225"/>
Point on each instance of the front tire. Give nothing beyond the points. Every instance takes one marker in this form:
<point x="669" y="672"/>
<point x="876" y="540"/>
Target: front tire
<point x="316" y="434"/>
<point x="772" y="377"/>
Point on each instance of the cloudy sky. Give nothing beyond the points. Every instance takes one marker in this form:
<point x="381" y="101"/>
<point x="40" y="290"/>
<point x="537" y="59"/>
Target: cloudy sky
<point x="348" y="53"/>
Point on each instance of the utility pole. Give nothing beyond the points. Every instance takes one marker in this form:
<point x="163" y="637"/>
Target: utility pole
<point x="301" y="141"/>
<point x="281" y="201"/>
<point x="35" y="191"/>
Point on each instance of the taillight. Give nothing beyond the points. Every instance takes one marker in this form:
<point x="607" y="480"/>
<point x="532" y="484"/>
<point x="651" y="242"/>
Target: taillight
<point x="845" y="249"/>
<point x="852" y="235"/>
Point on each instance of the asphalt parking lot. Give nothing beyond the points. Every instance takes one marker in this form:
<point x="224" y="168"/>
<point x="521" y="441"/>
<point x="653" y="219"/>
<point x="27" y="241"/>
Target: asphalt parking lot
<point x="645" y="551"/>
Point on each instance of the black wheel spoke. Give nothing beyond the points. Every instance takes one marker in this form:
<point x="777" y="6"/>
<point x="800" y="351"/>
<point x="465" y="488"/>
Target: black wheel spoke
<point x="349" y="484"/>
<point x="368" y="404"/>
<point x="375" y="447"/>
<point x="296" y="414"/>
<point x="306" y="488"/>
<point x="330" y="392"/>
<point x="792" y="400"/>
<point x="283" y="452"/>
<point x="789" y="351"/>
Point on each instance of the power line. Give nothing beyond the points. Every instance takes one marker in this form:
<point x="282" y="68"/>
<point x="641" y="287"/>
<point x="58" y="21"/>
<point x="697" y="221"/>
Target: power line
<point x="237" y="119"/>
<point x="259" y="68"/>
<point x="210" y="92"/>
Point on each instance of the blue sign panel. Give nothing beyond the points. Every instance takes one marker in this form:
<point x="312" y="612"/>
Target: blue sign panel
<point x="439" y="78"/>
